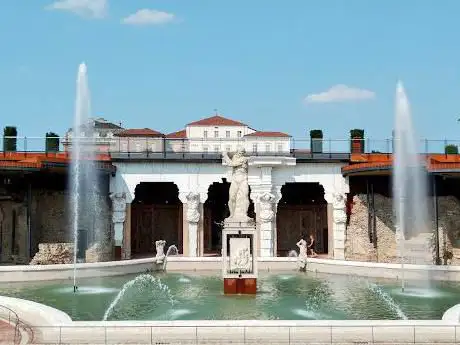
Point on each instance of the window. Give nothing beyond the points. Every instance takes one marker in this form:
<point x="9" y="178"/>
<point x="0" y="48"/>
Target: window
<point x="216" y="134"/>
<point x="216" y="148"/>
<point x="205" y="134"/>
<point x="205" y="149"/>
<point x="254" y="147"/>
<point x="268" y="147"/>
<point x="124" y="146"/>
<point x="280" y="147"/>
<point x="238" y="134"/>
<point x="138" y="147"/>
<point x="228" y="148"/>
<point x="227" y="134"/>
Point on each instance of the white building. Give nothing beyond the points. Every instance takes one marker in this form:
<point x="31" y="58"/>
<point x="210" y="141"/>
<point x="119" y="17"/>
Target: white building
<point x="183" y="199"/>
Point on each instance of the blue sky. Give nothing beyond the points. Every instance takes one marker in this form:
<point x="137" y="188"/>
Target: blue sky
<point x="255" y="61"/>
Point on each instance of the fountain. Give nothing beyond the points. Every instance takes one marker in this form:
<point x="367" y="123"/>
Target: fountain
<point x="239" y="263"/>
<point x="84" y="184"/>
<point x="409" y="188"/>
<point x="142" y="282"/>
<point x="161" y="259"/>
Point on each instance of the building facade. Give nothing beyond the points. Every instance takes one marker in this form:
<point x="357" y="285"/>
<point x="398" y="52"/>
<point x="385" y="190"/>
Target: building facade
<point x="191" y="195"/>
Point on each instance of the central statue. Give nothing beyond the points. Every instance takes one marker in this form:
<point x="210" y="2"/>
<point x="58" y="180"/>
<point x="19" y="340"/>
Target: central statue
<point x="238" y="196"/>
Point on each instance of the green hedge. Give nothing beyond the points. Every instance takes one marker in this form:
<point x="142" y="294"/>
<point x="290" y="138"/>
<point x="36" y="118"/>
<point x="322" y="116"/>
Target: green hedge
<point x="316" y="134"/>
<point x="52" y="142"/>
<point x="451" y="149"/>
<point x="10" y="138"/>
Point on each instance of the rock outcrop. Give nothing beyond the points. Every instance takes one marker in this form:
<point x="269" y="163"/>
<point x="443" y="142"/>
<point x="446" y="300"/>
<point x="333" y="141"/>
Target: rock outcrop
<point x="53" y="253"/>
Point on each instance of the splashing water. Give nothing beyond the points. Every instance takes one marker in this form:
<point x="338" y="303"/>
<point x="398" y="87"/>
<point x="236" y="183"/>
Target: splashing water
<point x="293" y="254"/>
<point x="84" y="185"/>
<point x="410" y="183"/>
<point x="388" y="300"/>
<point x="172" y="250"/>
<point x="142" y="283"/>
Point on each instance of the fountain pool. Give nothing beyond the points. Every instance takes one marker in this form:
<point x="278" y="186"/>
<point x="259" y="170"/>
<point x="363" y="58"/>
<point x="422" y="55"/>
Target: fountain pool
<point x="199" y="296"/>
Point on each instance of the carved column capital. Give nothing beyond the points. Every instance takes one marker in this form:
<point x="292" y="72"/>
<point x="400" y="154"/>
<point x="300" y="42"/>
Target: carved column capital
<point x="266" y="201"/>
<point x="193" y="207"/>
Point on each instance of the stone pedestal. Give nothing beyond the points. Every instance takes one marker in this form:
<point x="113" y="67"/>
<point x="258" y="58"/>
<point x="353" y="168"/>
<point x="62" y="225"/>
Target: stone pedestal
<point x="239" y="261"/>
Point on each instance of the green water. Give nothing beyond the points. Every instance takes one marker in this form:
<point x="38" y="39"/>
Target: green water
<point x="285" y="296"/>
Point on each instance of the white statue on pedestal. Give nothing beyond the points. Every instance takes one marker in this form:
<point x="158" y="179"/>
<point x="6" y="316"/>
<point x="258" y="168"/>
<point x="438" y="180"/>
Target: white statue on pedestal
<point x="238" y="196"/>
<point x="302" y="258"/>
<point x="160" y="247"/>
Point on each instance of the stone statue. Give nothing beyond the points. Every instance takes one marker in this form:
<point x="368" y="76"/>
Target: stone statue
<point x="302" y="258"/>
<point x="193" y="205"/>
<point x="266" y="201"/>
<point x="118" y="207"/>
<point x="238" y="196"/>
<point x="160" y="247"/>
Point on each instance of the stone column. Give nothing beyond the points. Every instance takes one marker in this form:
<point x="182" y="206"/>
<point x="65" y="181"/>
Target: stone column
<point x="193" y="218"/>
<point x="118" y="219"/>
<point x="266" y="217"/>
<point x="193" y="209"/>
<point x="339" y="219"/>
<point x="126" y="249"/>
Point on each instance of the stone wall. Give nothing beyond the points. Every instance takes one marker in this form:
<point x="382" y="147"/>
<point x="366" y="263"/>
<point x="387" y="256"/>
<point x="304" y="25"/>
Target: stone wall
<point x="359" y="248"/>
<point x="13" y="249"/>
<point x="49" y="223"/>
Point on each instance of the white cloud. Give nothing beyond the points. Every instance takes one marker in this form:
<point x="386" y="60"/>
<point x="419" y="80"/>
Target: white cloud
<point x="340" y="93"/>
<point x="148" y="17"/>
<point x="84" y="8"/>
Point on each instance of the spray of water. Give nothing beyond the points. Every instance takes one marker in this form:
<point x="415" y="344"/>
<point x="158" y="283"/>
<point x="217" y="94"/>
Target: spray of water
<point x="410" y="183"/>
<point x="172" y="250"/>
<point x="142" y="282"/>
<point x="83" y="178"/>
<point x="377" y="290"/>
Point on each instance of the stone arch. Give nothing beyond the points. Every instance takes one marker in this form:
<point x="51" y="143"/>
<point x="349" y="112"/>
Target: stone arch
<point x="301" y="212"/>
<point x="156" y="214"/>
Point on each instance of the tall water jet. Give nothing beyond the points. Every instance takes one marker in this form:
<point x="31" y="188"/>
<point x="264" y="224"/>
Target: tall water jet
<point x="410" y="181"/>
<point x="83" y="177"/>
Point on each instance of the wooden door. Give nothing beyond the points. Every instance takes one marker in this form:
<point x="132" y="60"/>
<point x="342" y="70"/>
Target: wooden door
<point x="150" y="223"/>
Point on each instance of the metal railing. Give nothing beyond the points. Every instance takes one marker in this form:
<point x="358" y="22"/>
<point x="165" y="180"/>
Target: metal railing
<point x="123" y="146"/>
<point x="334" y="333"/>
<point x="13" y="319"/>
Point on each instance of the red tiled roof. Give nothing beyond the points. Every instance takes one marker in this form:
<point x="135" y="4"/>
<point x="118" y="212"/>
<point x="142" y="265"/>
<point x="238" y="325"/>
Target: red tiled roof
<point x="268" y="134"/>
<point x="139" y="132"/>
<point x="29" y="160"/>
<point x="182" y="134"/>
<point x="216" y="120"/>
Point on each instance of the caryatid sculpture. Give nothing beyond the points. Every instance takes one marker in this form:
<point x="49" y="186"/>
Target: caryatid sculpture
<point x="238" y="196"/>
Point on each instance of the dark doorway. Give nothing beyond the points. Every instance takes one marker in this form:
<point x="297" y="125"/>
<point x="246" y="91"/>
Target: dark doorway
<point x="302" y="211"/>
<point x="156" y="214"/>
<point x="215" y="212"/>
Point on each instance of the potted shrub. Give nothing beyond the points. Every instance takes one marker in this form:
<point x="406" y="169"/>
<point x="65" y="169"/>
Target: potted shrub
<point x="451" y="149"/>
<point x="52" y="142"/>
<point x="316" y="140"/>
<point x="10" y="138"/>
<point x="357" y="140"/>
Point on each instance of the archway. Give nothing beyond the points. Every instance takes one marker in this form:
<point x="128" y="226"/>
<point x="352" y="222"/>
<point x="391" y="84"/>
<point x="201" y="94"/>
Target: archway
<point x="302" y="211"/>
<point x="156" y="214"/>
<point x="215" y="211"/>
